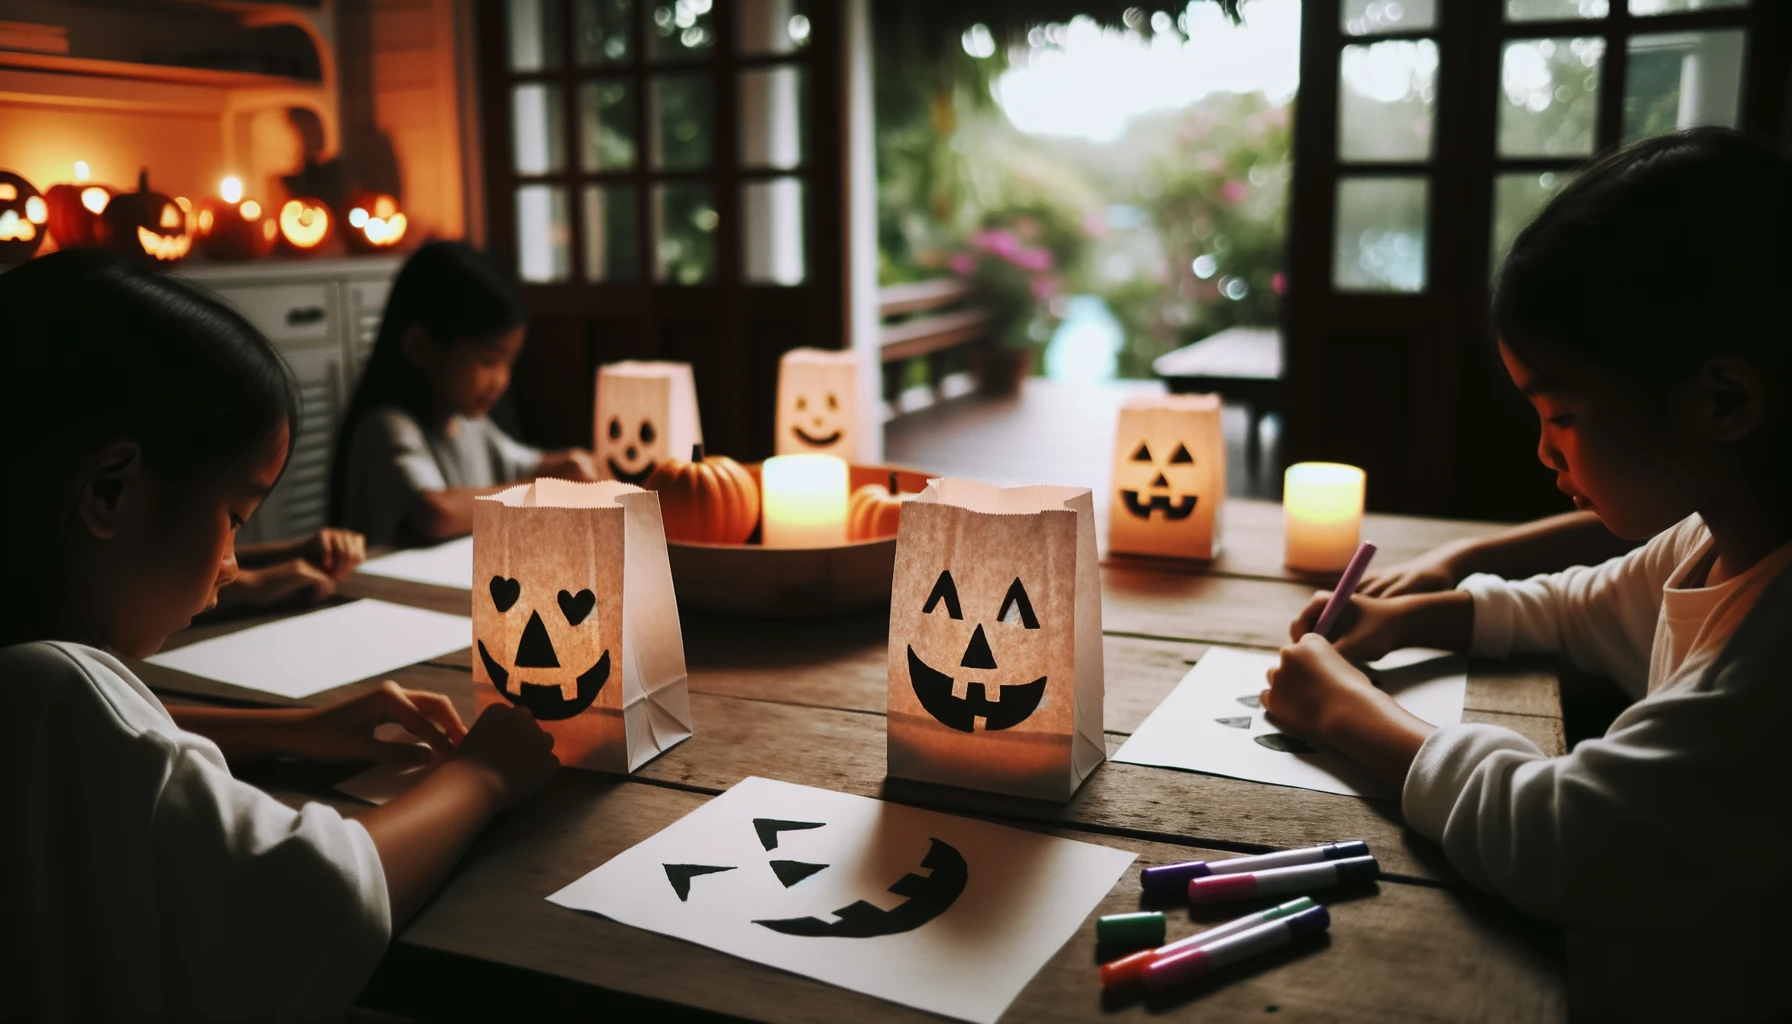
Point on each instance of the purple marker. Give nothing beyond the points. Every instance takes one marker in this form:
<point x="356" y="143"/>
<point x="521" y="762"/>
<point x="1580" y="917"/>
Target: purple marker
<point x="1169" y="971"/>
<point x="1353" y="574"/>
<point x="1279" y="881"/>
<point x="1174" y="878"/>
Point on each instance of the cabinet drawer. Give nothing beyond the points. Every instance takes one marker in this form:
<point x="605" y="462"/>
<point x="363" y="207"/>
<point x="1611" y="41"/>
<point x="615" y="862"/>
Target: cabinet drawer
<point x="287" y="312"/>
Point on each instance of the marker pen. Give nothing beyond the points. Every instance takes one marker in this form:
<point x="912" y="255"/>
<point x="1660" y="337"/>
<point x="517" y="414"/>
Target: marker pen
<point x="1276" y="881"/>
<point x="1335" y="605"/>
<point x="1170" y="971"/>
<point x="1130" y="970"/>
<point x="1174" y="878"/>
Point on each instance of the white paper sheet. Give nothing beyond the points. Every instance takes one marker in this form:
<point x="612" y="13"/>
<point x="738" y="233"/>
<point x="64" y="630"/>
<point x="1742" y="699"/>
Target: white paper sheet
<point x="970" y="945"/>
<point x="446" y="565"/>
<point x="383" y="782"/>
<point x="322" y="650"/>
<point x="1212" y="722"/>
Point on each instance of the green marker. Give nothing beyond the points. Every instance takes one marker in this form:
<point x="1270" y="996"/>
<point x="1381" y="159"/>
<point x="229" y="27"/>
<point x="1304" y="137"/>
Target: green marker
<point x="1130" y="931"/>
<point x="1129" y="971"/>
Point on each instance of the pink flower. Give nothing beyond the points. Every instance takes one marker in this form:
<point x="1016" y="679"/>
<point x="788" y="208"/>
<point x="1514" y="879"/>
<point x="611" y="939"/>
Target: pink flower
<point x="1044" y="289"/>
<point x="1036" y="261"/>
<point x="962" y="263"/>
<point x="1001" y="243"/>
<point x="1233" y="191"/>
<point x="1278" y="283"/>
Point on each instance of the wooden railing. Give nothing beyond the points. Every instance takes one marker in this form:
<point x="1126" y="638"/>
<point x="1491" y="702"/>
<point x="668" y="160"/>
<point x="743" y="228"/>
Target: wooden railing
<point x="929" y="319"/>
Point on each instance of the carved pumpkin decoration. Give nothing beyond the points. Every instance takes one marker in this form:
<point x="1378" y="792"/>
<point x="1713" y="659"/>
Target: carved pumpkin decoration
<point x="708" y="500"/>
<point x="234" y="228"/>
<point x="374" y="223"/>
<point x="997" y="597"/>
<point x="1169" y="477"/>
<point x="645" y="412"/>
<point x="24" y="218"/>
<point x="817" y="403"/>
<point x="147" y="224"/>
<point x="75" y="208"/>
<point x="574" y="618"/>
<point x="304" y="224"/>
<point x="875" y="510"/>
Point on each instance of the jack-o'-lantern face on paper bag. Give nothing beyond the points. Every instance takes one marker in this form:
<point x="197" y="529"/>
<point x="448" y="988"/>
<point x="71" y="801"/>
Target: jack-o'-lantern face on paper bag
<point x="646" y="412"/>
<point x="574" y="618"/>
<point x="818" y="403"/>
<point x="995" y="670"/>
<point x="1169" y="477"/>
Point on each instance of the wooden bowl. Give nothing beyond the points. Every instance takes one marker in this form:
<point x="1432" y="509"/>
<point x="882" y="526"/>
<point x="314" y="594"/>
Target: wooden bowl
<point x="749" y="579"/>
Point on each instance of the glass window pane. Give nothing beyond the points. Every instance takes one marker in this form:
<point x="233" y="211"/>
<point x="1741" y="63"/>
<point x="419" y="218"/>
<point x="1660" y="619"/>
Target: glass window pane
<point x="684" y="119"/>
<point x="601" y="31"/>
<point x="681" y="28"/>
<point x="538" y="127"/>
<point x="1646" y="8"/>
<point x="772" y="26"/>
<point x="1553" y="10"/>
<point x="772" y="218"/>
<point x="612" y="233"/>
<point x="534" y="34"/>
<point x="684" y="235"/>
<point x="1380" y="243"/>
<point x="1675" y="80"/>
<point x="771" y="117"/>
<point x="1549" y="96"/>
<point x="1368" y="17"/>
<point x="607" y="125"/>
<point x="1385" y="96"/>
<point x="543" y="236"/>
<point x="1517" y="198"/>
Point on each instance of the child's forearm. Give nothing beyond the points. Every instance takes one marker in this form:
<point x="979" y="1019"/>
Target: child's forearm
<point x="1547" y="545"/>
<point x="1378" y="734"/>
<point x="422" y="834"/>
<point x="1445" y="620"/>
<point x="242" y="734"/>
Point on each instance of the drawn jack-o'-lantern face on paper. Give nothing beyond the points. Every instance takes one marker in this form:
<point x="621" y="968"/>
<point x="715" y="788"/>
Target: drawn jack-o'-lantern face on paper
<point x="999" y="698"/>
<point x="817" y="402"/>
<point x="646" y="412"/>
<point x="925" y="896"/>
<point x="534" y="677"/>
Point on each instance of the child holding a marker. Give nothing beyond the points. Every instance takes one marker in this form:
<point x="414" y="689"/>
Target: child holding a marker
<point x="1644" y="314"/>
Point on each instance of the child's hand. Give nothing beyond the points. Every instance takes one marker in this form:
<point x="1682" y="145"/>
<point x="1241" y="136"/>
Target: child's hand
<point x="571" y="464"/>
<point x="294" y="579"/>
<point x="1367" y="629"/>
<point x="344" y="731"/>
<point x="1313" y="686"/>
<point x="1428" y="573"/>
<point x="512" y="752"/>
<point x="335" y="551"/>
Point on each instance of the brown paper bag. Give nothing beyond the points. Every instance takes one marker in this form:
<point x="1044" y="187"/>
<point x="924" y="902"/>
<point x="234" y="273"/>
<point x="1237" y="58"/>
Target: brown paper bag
<point x="646" y="412"/>
<point x="995" y="670"/>
<point x="818" y="399"/>
<point x="1169" y="477"/>
<point x="574" y="617"/>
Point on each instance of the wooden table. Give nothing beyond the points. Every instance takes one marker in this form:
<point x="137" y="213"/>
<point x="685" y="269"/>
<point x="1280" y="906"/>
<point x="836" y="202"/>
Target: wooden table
<point x="804" y="701"/>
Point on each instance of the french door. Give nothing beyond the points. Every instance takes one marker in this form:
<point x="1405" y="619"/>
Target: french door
<point x="666" y="178"/>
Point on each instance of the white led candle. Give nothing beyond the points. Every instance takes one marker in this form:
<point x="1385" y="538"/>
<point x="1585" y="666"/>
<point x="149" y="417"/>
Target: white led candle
<point x="1322" y="515"/>
<point x="805" y="501"/>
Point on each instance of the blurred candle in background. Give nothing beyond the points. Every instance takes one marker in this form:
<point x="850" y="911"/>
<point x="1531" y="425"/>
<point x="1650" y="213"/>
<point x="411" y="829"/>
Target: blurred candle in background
<point x="1322" y="515"/>
<point x="805" y="501"/>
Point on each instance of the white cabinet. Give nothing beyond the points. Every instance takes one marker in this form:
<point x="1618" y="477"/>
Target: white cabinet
<point x="323" y="316"/>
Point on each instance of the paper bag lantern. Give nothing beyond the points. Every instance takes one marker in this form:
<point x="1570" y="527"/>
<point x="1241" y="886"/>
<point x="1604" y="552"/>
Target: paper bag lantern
<point x="817" y="403"/>
<point x="574" y="618"/>
<point x="1169" y="477"/>
<point x="645" y="413"/>
<point x="996" y="596"/>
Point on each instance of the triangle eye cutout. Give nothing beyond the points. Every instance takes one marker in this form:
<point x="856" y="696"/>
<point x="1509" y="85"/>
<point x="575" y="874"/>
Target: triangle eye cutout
<point x="1182" y="454"/>
<point x="1143" y="454"/>
<point x="791" y="872"/>
<point x="1016" y="608"/>
<point x="768" y="829"/>
<point x="680" y="876"/>
<point x="944" y="590"/>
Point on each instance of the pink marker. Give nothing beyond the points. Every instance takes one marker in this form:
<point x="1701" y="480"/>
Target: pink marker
<point x="1279" y="881"/>
<point x="1169" y="971"/>
<point x="1353" y="574"/>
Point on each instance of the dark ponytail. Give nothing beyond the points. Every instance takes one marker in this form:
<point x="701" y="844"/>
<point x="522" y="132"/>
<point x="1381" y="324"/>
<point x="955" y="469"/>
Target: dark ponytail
<point x="96" y="349"/>
<point x="454" y="294"/>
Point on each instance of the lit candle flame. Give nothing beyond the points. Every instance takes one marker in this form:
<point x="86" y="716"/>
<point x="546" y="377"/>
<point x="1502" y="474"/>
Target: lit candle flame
<point x="81" y="171"/>
<point x="230" y="190"/>
<point x="95" y="199"/>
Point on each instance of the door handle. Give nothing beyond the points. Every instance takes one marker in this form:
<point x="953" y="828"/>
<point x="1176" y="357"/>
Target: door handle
<point x="298" y="316"/>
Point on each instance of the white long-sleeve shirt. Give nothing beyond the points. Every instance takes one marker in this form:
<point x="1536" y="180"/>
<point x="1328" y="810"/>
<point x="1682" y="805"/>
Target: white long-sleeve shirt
<point x="140" y="881"/>
<point x="1664" y="847"/>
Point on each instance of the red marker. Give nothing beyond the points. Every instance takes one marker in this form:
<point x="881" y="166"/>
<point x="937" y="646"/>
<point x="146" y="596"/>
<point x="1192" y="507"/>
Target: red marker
<point x="1170" y="971"/>
<point x="1130" y="970"/>
<point x="1275" y="882"/>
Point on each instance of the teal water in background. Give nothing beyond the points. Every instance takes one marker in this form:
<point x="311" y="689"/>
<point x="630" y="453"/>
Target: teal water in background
<point x="1087" y="343"/>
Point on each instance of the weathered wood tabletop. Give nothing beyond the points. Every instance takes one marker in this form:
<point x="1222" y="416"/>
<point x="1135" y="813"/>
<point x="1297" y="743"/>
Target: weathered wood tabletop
<point x="803" y="701"/>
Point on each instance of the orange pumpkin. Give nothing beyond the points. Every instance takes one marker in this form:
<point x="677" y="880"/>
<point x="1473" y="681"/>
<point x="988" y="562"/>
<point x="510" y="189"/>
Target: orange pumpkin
<point x="148" y="225"/>
<point x="711" y="500"/>
<point x="374" y="222"/>
<point x="75" y="209"/>
<point x="236" y="231"/>
<point x="872" y="512"/>
<point x="304" y="225"/>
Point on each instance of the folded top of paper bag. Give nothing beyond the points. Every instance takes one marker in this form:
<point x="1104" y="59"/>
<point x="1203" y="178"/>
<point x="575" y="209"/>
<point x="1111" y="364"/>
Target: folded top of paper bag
<point x="990" y="499"/>
<point x="551" y="492"/>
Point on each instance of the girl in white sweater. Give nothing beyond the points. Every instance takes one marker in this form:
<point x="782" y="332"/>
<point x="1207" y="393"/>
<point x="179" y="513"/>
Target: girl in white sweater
<point x="1644" y="315"/>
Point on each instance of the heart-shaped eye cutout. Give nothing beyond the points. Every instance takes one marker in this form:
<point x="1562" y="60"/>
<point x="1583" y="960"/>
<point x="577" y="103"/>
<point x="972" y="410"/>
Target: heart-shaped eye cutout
<point x="575" y="608"/>
<point x="505" y="592"/>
